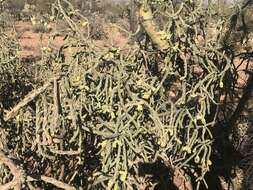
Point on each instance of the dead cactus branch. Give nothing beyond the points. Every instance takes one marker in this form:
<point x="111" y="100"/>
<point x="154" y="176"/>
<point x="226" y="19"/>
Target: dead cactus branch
<point x="27" y="99"/>
<point x="57" y="183"/>
<point x="57" y="103"/>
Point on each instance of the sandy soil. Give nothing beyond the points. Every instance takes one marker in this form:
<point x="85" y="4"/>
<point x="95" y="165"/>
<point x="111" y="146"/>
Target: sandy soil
<point x="32" y="42"/>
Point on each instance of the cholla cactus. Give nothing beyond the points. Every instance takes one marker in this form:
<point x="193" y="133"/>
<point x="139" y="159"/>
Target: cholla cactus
<point x="96" y="119"/>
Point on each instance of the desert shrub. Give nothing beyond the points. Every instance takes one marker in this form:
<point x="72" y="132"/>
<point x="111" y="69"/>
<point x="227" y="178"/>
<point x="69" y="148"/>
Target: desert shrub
<point x="6" y="19"/>
<point x="39" y="28"/>
<point x="18" y="8"/>
<point x="43" y="6"/>
<point x="41" y="24"/>
<point x="96" y="120"/>
<point x="15" y="5"/>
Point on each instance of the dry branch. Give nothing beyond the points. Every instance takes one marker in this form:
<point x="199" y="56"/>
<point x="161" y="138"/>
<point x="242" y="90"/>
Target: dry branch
<point x="31" y="96"/>
<point x="57" y="103"/>
<point x="57" y="183"/>
<point x="18" y="179"/>
<point x="66" y="152"/>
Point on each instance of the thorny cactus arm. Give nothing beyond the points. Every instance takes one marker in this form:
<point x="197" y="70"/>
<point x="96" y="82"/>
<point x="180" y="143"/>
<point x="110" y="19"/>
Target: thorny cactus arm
<point x="147" y="21"/>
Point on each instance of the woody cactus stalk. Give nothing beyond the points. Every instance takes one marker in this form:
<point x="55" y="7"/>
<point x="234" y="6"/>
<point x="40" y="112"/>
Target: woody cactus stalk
<point x="147" y="21"/>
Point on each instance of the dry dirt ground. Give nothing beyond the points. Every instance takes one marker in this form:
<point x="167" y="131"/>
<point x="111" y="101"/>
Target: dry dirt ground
<point x="31" y="42"/>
